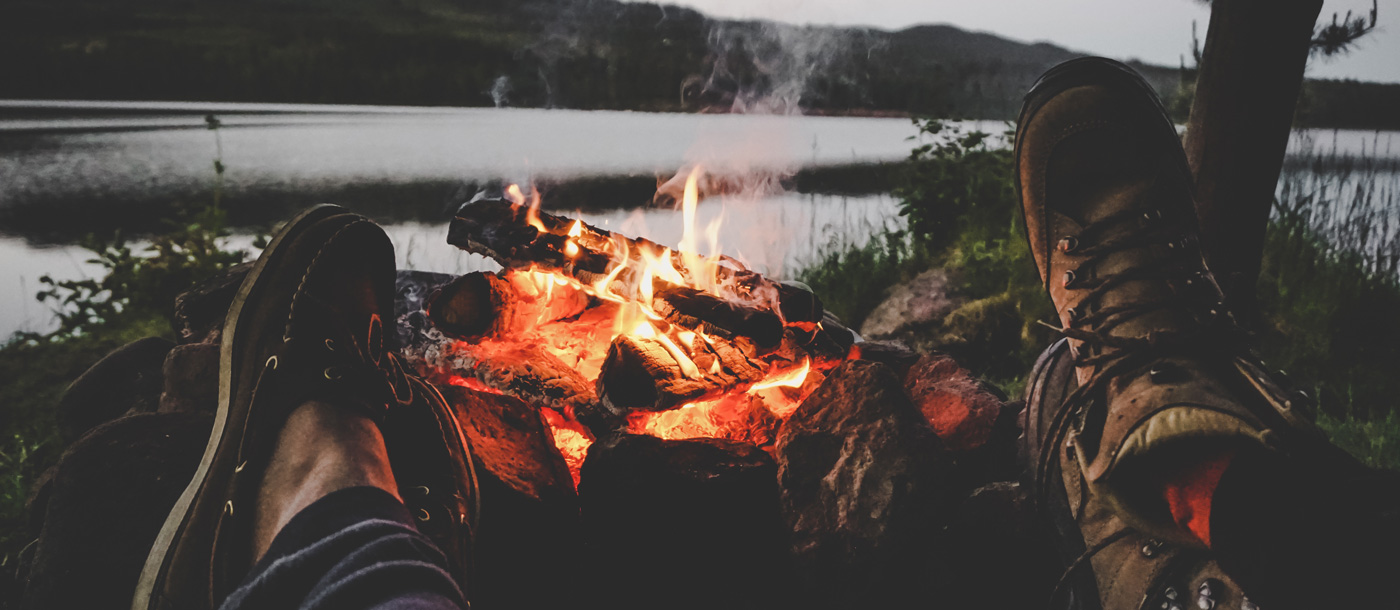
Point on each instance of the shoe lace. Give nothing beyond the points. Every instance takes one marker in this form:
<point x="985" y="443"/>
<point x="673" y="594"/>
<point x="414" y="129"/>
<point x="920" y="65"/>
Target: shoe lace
<point x="1213" y="329"/>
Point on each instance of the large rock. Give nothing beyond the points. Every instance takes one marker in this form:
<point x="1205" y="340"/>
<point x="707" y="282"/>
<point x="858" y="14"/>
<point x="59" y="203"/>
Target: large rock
<point x="924" y="300"/>
<point x="128" y="379"/>
<point x="683" y="524"/>
<point x="200" y="311"/>
<point x="961" y="409"/>
<point x="529" y="521"/>
<point x="110" y="495"/>
<point x="865" y="485"/>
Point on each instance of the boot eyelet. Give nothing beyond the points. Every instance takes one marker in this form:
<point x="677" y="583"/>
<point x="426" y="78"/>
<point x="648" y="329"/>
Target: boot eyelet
<point x="271" y="363"/>
<point x="1068" y="244"/>
<point x="1069" y="278"/>
<point x="332" y="374"/>
<point x="1071" y="313"/>
<point x="423" y="515"/>
<point x="330" y="344"/>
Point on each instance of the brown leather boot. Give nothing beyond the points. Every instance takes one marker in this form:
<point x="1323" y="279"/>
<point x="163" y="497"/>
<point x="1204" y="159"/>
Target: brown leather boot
<point x="1163" y="374"/>
<point x="1108" y="563"/>
<point x="307" y="324"/>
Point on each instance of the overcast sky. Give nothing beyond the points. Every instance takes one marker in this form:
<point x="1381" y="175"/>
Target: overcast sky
<point x="1156" y="31"/>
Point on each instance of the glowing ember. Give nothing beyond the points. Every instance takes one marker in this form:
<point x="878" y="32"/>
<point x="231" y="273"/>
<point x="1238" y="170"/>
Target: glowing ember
<point x="571" y="438"/>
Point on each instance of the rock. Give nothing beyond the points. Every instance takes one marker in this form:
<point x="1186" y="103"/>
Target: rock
<point x="1001" y="555"/>
<point x="200" y="311"/>
<point x="959" y="408"/>
<point x="128" y="379"/>
<point x="683" y="524"/>
<point x="893" y="354"/>
<point x="864" y="486"/>
<point x="926" y="299"/>
<point x="110" y="496"/>
<point x="191" y="379"/>
<point x="529" y="521"/>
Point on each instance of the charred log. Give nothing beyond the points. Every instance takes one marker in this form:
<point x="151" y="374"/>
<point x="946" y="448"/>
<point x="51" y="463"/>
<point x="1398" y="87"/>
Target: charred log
<point x="473" y="306"/>
<point x="526" y="371"/>
<point x="500" y="230"/>
<point x="483" y="304"/>
<point x="645" y="374"/>
<point x="692" y="308"/>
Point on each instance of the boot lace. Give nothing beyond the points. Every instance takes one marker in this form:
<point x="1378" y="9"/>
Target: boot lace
<point x="1191" y="291"/>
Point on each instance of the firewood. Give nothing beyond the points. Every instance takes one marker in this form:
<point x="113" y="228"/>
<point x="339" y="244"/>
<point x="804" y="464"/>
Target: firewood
<point x="644" y="374"/>
<point x="473" y="306"/>
<point x="482" y="304"/>
<point x="499" y="229"/>
<point x="524" y="370"/>
<point x="692" y="308"/>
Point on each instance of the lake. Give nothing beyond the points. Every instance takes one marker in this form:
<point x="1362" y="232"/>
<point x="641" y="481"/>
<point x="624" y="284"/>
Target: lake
<point x="68" y="163"/>
<point x="67" y="168"/>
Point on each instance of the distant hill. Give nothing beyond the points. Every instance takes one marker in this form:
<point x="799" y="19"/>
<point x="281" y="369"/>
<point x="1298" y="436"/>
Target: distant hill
<point x="589" y="54"/>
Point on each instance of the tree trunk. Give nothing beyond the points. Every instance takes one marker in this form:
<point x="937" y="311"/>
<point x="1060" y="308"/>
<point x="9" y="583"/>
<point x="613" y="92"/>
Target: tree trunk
<point x="1246" y="90"/>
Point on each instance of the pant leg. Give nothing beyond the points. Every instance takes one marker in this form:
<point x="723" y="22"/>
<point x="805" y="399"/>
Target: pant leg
<point x="356" y="548"/>
<point x="1294" y="537"/>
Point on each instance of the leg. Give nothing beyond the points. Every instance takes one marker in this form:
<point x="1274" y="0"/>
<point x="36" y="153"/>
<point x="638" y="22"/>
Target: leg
<point x="1152" y="427"/>
<point x="330" y="529"/>
<point x="319" y="441"/>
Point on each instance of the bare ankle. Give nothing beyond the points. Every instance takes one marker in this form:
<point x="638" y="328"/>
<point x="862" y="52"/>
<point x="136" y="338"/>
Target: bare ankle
<point x="321" y="449"/>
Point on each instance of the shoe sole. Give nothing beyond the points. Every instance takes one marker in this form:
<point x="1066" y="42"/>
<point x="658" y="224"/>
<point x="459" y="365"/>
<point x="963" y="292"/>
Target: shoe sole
<point x="158" y="559"/>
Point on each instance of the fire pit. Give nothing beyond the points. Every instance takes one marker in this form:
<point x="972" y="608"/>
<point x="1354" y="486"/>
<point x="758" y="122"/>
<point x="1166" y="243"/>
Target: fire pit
<point x="659" y="417"/>
<point x="608" y="333"/>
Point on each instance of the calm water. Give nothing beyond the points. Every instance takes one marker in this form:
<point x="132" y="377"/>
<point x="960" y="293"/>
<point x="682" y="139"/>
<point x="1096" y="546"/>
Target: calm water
<point x="68" y="158"/>
<point x="61" y="156"/>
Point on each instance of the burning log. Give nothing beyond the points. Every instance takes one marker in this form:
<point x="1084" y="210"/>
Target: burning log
<point x="692" y="308"/>
<point x="483" y="304"/>
<point x="526" y="371"/>
<point x="502" y="230"/>
<point x="655" y="374"/>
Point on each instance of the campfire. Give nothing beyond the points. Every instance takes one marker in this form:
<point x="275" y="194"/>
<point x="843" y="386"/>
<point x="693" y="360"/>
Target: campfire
<point x="604" y="332"/>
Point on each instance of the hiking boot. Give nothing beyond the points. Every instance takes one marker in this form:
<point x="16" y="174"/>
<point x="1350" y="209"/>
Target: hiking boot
<point x="1108" y="563"/>
<point x="307" y="324"/>
<point x="1163" y="375"/>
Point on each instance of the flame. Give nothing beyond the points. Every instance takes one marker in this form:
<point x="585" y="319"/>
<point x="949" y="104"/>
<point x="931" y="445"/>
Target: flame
<point x="513" y="193"/>
<point x="789" y="379"/>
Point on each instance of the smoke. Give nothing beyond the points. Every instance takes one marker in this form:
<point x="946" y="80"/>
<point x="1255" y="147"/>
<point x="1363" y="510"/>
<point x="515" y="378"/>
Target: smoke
<point x="775" y="68"/>
<point x="500" y="91"/>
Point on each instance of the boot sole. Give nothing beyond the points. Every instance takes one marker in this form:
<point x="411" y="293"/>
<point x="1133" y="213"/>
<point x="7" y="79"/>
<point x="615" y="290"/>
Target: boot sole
<point x="157" y="561"/>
